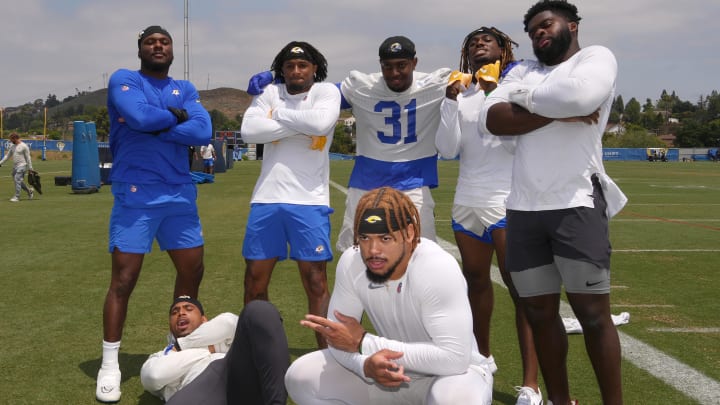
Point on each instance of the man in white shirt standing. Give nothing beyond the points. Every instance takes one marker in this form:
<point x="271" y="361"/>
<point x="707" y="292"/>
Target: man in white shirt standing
<point x="413" y="292"/>
<point x="227" y="359"/>
<point x="397" y="113"/>
<point x="290" y="205"/>
<point x="560" y="198"/>
<point x="207" y="152"/>
<point x="22" y="162"/>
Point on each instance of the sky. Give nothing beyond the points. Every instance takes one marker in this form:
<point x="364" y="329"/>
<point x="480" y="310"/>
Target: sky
<point x="63" y="47"/>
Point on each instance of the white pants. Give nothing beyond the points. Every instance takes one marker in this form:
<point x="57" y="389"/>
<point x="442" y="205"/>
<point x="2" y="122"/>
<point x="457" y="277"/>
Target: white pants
<point x="421" y="197"/>
<point x="317" y="379"/>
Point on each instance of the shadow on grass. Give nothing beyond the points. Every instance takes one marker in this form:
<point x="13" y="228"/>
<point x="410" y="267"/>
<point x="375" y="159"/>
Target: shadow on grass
<point x="130" y="365"/>
<point x="503" y="398"/>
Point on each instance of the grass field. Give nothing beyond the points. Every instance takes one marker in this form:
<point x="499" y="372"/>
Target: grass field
<point x="55" y="271"/>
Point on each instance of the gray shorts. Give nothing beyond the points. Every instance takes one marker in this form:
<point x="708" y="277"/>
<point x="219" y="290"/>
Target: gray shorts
<point x="570" y="247"/>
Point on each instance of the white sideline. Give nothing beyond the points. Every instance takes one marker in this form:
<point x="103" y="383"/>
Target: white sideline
<point x="676" y="374"/>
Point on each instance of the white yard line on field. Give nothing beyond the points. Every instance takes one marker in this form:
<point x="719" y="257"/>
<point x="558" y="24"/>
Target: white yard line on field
<point x="686" y="330"/>
<point x="678" y="375"/>
<point x="665" y="250"/>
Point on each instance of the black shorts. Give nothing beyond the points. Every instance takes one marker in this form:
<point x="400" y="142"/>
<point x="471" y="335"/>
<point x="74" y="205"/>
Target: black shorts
<point x="567" y="246"/>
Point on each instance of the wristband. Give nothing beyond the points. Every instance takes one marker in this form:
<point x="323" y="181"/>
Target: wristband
<point x="359" y="348"/>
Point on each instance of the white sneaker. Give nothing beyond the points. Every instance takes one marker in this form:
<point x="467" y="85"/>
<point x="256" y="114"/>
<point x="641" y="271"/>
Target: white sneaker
<point x="108" y="385"/>
<point x="31" y="194"/>
<point x="528" y="396"/>
<point x="14" y="199"/>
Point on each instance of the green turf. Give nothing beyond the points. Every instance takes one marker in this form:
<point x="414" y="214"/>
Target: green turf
<point x="55" y="271"/>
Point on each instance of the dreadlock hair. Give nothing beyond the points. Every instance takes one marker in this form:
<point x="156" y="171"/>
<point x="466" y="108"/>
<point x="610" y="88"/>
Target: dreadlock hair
<point x="311" y="54"/>
<point x="395" y="203"/>
<point x="505" y="43"/>
<point x="562" y="7"/>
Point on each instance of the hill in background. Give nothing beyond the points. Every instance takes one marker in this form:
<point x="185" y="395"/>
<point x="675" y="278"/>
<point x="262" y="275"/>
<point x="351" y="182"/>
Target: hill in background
<point x="227" y="100"/>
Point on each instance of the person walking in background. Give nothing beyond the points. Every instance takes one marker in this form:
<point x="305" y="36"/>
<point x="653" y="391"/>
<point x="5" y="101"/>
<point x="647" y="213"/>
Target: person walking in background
<point x="153" y="120"/>
<point x="207" y="152"/>
<point x="560" y="199"/>
<point x="478" y="214"/>
<point x="290" y="206"/>
<point x="22" y="162"/>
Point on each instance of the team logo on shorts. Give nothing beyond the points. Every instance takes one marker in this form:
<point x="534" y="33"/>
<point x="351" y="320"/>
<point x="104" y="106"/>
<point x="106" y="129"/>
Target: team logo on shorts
<point x="133" y="189"/>
<point x="176" y="92"/>
<point x="124" y="87"/>
<point x="319" y="249"/>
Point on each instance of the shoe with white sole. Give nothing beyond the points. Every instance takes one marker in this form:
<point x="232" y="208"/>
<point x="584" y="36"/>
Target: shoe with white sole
<point x="528" y="396"/>
<point x="14" y="199"/>
<point x="108" y="385"/>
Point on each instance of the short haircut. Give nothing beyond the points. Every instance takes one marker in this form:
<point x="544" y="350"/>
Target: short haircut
<point x="14" y="135"/>
<point x="310" y="53"/>
<point x="562" y="7"/>
<point x="399" y="209"/>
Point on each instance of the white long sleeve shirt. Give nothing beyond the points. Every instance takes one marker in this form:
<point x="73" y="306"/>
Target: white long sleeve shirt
<point x="425" y="314"/>
<point x="553" y="164"/>
<point x="292" y="173"/>
<point x="395" y="130"/>
<point x="166" y="372"/>
<point x="485" y="159"/>
<point x="20" y="153"/>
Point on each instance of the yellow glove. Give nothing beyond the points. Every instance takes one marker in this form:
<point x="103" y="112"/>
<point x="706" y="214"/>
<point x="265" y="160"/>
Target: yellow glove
<point x="317" y="142"/>
<point x="464" y="78"/>
<point x="489" y="72"/>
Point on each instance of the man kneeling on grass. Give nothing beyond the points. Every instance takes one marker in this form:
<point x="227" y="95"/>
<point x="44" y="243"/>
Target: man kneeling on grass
<point x="225" y="360"/>
<point x="415" y="295"/>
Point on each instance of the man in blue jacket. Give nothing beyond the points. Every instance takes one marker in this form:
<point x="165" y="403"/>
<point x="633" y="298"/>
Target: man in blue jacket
<point x="153" y="121"/>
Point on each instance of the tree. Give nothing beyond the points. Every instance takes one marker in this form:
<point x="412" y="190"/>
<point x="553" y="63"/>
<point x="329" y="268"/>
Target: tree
<point x="102" y="124"/>
<point x="618" y="106"/>
<point x="634" y="136"/>
<point x="632" y="111"/>
<point x="343" y="142"/>
<point x="51" y="101"/>
<point x="690" y="135"/>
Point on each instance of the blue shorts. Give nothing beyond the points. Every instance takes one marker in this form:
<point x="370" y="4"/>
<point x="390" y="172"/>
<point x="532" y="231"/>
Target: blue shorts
<point x="144" y="212"/>
<point x="272" y="227"/>
<point x="209" y="162"/>
<point x="478" y="223"/>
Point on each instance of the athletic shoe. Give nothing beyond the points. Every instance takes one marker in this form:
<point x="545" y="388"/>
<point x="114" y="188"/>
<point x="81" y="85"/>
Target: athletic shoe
<point x="573" y="402"/>
<point x="31" y="194"/>
<point x="528" y="396"/>
<point x="108" y="385"/>
<point x="14" y="199"/>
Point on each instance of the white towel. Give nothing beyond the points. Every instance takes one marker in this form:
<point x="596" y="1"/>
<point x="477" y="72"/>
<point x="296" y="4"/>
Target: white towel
<point x="614" y="197"/>
<point x="572" y="325"/>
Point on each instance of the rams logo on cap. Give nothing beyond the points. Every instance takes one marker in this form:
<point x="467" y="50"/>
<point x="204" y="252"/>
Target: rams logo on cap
<point x="372" y="219"/>
<point x="396" y="47"/>
<point x="297" y="49"/>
